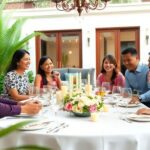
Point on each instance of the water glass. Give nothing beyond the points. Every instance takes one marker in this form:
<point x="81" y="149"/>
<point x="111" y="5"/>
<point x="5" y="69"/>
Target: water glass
<point x="116" y="95"/>
<point x="126" y="94"/>
<point x="106" y="85"/>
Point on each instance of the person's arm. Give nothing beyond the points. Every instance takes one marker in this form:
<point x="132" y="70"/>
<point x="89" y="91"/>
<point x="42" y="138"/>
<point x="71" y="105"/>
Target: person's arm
<point x="58" y="82"/>
<point x="145" y="111"/>
<point x="31" y="108"/>
<point x="9" y="110"/>
<point x="16" y="96"/>
<point x="37" y="82"/>
<point x="7" y="101"/>
<point x="146" y="96"/>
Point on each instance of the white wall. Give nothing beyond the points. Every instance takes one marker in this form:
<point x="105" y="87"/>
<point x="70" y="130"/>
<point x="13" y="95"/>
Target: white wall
<point x="111" y="16"/>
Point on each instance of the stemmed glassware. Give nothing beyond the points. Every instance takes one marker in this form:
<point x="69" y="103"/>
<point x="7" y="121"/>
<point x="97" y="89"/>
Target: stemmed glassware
<point x="34" y="91"/>
<point x="54" y="104"/>
<point x="106" y="85"/>
<point x="126" y="94"/>
<point x="116" y="94"/>
<point x="116" y="90"/>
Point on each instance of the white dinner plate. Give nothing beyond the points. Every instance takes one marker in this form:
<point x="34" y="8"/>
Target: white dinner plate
<point x="37" y="125"/>
<point x="140" y="118"/>
<point x="127" y="105"/>
<point x="26" y="115"/>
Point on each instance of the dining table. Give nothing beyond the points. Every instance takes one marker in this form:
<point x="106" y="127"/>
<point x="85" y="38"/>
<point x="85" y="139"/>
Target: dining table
<point x="64" y="131"/>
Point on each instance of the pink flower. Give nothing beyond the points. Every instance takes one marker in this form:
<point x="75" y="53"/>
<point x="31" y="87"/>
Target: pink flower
<point x="92" y="108"/>
<point x="68" y="107"/>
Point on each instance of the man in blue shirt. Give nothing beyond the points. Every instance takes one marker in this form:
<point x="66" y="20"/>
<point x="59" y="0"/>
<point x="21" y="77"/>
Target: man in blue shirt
<point x="137" y="76"/>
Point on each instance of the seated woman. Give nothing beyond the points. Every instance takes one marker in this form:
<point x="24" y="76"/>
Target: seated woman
<point x="45" y="74"/>
<point x="10" y="108"/>
<point x="109" y="73"/>
<point x="16" y="82"/>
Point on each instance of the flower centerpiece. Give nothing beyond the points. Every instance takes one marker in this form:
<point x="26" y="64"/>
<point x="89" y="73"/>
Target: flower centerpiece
<point x="81" y="104"/>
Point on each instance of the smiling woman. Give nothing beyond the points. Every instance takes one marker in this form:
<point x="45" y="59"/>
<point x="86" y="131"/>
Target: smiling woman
<point x="110" y="73"/>
<point x="16" y="82"/>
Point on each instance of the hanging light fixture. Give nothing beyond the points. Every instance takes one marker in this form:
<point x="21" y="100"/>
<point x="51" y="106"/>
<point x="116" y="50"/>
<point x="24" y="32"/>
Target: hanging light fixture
<point x="68" y="5"/>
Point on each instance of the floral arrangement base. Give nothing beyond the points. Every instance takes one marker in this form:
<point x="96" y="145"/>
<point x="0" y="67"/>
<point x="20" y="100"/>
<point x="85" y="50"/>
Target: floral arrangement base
<point x="85" y="114"/>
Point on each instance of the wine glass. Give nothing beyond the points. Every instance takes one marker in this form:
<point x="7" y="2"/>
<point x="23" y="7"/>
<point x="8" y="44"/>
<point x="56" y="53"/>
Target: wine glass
<point x="46" y="95"/>
<point x="116" y="95"/>
<point x="106" y="85"/>
<point x="116" y="90"/>
<point x="126" y="94"/>
<point x="33" y="91"/>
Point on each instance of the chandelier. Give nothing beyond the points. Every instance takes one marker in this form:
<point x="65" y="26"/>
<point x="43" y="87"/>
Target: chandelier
<point x="68" y="5"/>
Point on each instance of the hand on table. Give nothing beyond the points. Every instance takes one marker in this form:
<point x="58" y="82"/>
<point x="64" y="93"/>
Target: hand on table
<point x="135" y="100"/>
<point x="31" y="108"/>
<point x="145" y="111"/>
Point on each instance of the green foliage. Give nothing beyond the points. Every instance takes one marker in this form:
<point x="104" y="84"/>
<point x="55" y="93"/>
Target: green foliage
<point x="1" y="82"/>
<point x="29" y="147"/>
<point x="30" y="76"/>
<point x="10" y="37"/>
<point x="8" y="130"/>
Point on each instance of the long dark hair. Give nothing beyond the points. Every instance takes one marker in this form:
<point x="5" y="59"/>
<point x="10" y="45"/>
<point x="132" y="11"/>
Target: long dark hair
<point x="115" y="70"/>
<point x="41" y="71"/>
<point x="18" y="55"/>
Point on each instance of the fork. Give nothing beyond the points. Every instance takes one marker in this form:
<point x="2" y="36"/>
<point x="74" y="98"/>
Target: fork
<point x="62" y="127"/>
<point x="55" y="128"/>
<point x="127" y="120"/>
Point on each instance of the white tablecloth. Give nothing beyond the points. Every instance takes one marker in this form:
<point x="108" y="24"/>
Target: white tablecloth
<point x="108" y="133"/>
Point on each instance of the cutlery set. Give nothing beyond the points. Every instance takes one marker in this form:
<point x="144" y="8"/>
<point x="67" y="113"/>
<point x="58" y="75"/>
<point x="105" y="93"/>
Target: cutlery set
<point x="57" y="128"/>
<point x="127" y="120"/>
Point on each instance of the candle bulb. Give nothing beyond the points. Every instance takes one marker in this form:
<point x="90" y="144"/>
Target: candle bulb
<point x="70" y="85"/>
<point x="64" y="90"/>
<point x="88" y="79"/>
<point x="70" y="82"/>
<point x="80" y="81"/>
<point x="77" y="82"/>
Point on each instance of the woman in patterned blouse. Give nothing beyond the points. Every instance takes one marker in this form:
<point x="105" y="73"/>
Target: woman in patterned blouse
<point x="109" y="73"/>
<point x="45" y="74"/>
<point x="16" y="82"/>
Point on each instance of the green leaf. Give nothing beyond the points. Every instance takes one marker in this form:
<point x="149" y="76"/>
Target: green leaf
<point x="10" y="37"/>
<point x="29" y="147"/>
<point x="14" y="127"/>
<point x="30" y="76"/>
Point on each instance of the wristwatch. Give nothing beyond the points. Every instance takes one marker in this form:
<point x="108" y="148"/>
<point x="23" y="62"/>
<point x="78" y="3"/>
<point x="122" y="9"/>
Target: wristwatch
<point x="140" y="99"/>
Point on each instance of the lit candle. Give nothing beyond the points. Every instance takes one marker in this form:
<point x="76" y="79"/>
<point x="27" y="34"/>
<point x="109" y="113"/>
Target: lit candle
<point x="77" y="82"/>
<point x="59" y="97"/>
<point x="88" y="79"/>
<point x="105" y="108"/>
<point x="88" y="89"/>
<point x="64" y="90"/>
<point x="94" y="117"/>
<point x="70" y="82"/>
<point x="80" y="81"/>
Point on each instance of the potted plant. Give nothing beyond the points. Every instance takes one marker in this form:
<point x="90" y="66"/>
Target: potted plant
<point x="10" y="39"/>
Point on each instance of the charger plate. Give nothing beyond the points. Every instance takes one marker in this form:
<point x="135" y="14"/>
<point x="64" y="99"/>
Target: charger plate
<point x="140" y="118"/>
